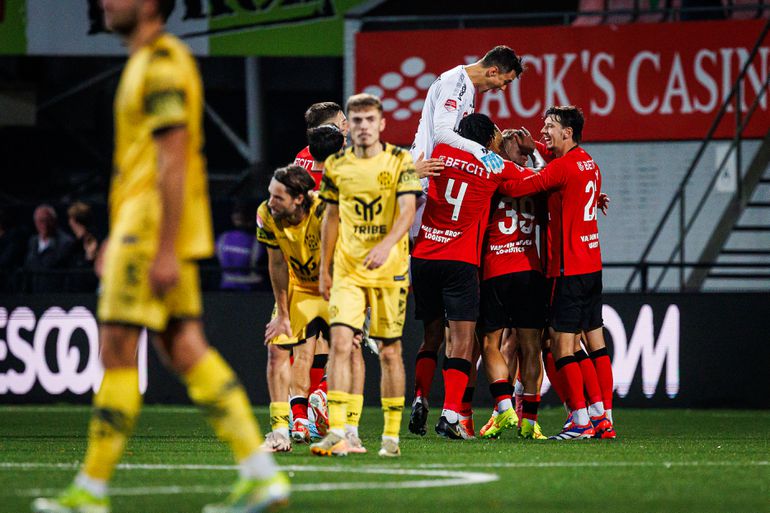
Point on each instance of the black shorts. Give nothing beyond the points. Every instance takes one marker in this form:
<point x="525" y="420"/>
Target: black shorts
<point x="515" y="300"/>
<point x="445" y="289"/>
<point x="576" y="303"/>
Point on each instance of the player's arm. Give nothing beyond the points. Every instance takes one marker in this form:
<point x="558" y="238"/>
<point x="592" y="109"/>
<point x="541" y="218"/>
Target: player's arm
<point x="279" y="279"/>
<point x="171" y="144"/>
<point x="407" y="204"/>
<point x="550" y="178"/>
<point x="329" y="231"/>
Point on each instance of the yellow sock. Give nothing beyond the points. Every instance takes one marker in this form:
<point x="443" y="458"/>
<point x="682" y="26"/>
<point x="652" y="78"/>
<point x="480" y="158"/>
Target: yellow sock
<point x="338" y="405"/>
<point x="279" y="415"/>
<point x="355" y="406"/>
<point x="214" y="388"/>
<point x="392" y="408"/>
<point x="116" y="408"/>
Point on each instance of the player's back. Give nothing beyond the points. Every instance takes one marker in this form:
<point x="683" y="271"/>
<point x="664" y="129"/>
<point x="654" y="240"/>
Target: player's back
<point x="160" y="88"/>
<point x="305" y="159"/>
<point x="458" y="206"/>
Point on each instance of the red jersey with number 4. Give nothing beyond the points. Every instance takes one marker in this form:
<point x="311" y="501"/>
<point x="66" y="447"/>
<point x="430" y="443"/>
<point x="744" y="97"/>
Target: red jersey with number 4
<point x="574" y="183"/>
<point x="305" y="159"/>
<point x="509" y="243"/>
<point x="457" y="209"/>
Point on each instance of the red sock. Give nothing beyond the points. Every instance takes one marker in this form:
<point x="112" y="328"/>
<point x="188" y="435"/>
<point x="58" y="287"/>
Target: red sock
<point x="590" y="380"/>
<point x="603" y="367"/>
<point x="317" y="371"/>
<point x="455" y="383"/>
<point x="299" y="407"/>
<point x="424" y="368"/>
<point x="571" y="376"/>
<point x="323" y="385"/>
<point x="553" y="375"/>
<point x="530" y="406"/>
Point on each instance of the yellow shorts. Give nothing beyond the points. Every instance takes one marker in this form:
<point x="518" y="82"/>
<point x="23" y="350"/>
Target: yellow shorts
<point x="348" y="302"/>
<point x="308" y="314"/>
<point x="126" y="295"/>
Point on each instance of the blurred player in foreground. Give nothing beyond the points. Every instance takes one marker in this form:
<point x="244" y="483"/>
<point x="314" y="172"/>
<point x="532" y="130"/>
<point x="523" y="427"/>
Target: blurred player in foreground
<point x="160" y="224"/>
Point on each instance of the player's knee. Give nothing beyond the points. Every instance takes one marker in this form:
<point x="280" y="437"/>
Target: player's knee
<point x="391" y="354"/>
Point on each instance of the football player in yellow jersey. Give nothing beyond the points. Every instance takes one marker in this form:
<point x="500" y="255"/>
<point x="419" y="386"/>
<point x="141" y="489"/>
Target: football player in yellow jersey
<point x="371" y="190"/>
<point x="289" y="224"/>
<point x="159" y="226"/>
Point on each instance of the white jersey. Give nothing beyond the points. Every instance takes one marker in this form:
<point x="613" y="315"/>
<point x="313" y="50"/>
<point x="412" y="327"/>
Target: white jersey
<point x="450" y="98"/>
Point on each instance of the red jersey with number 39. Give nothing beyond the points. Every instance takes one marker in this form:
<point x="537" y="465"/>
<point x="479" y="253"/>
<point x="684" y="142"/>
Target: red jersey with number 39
<point x="457" y="209"/>
<point x="573" y="182"/>
<point x="509" y="244"/>
<point x="305" y="159"/>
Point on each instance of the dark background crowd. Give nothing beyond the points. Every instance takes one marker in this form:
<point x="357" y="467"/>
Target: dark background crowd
<point x="54" y="248"/>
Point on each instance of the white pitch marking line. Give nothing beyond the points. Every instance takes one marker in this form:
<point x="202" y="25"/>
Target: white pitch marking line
<point x="438" y="466"/>
<point x="446" y="478"/>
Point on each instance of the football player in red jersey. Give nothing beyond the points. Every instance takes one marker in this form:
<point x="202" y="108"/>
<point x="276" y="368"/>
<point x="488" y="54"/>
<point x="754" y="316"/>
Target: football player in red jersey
<point x="513" y="296"/>
<point x="318" y="114"/>
<point x="447" y="254"/>
<point x="573" y="181"/>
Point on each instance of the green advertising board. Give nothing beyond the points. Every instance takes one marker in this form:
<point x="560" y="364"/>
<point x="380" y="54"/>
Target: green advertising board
<point x="211" y="27"/>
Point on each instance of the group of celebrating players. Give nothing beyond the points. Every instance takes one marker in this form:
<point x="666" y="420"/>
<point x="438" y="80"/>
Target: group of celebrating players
<point x="477" y="276"/>
<point x="339" y="263"/>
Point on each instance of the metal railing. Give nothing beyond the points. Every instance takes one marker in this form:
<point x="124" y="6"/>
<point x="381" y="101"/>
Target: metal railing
<point x="685" y="224"/>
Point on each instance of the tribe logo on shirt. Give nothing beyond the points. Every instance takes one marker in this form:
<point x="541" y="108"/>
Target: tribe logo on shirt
<point x="305" y="269"/>
<point x="368" y="210"/>
<point x="450" y="104"/>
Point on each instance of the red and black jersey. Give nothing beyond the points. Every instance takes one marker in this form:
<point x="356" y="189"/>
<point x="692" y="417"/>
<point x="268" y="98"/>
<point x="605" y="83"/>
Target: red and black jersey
<point x="457" y="209"/>
<point x="305" y="159"/>
<point x="509" y="243"/>
<point x="574" y="183"/>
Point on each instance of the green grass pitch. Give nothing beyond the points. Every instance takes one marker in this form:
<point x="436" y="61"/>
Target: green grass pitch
<point x="663" y="460"/>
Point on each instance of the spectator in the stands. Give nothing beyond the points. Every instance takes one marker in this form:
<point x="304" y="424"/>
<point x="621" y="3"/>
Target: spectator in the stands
<point x="86" y="246"/>
<point x="239" y="252"/>
<point x="11" y="250"/>
<point x="47" y="252"/>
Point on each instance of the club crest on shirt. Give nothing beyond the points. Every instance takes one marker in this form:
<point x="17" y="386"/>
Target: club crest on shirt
<point x="312" y="241"/>
<point x="450" y="104"/>
<point x="384" y="179"/>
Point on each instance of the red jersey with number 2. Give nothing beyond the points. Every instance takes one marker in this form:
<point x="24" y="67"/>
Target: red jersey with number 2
<point x="574" y="183"/>
<point x="457" y="209"/>
<point x="305" y="159"/>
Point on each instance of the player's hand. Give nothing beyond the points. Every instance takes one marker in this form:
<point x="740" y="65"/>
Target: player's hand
<point x="280" y="325"/>
<point x="377" y="256"/>
<point x="492" y="162"/>
<point x="603" y="203"/>
<point x="526" y="142"/>
<point x="358" y="339"/>
<point x="325" y="284"/>
<point x="430" y="167"/>
<point x="164" y="272"/>
<point x="99" y="260"/>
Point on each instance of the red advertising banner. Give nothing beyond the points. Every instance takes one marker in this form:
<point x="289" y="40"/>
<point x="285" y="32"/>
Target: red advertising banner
<point x="634" y="82"/>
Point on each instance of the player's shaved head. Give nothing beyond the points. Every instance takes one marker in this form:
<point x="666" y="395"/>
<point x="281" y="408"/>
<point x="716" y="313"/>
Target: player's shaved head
<point x="478" y="128"/>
